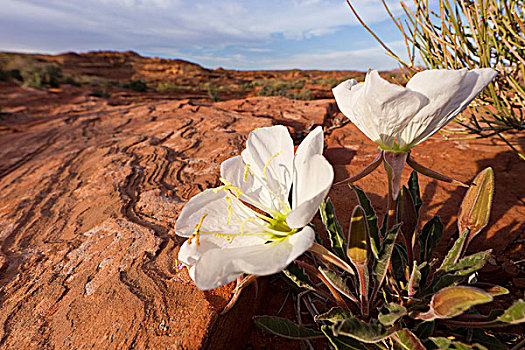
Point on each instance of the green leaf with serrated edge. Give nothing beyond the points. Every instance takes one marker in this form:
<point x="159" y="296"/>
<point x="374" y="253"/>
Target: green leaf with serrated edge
<point x="470" y="263"/>
<point x="460" y="271"/>
<point x="429" y="237"/>
<point x="285" y="328"/>
<point x="371" y="217"/>
<point x="475" y="209"/>
<point x="455" y="252"/>
<point x="413" y="187"/>
<point x="407" y="214"/>
<point x="296" y="275"/>
<point x="442" y="343"/>
<point x="453" y="301"/>
<point x="514" y="314"/>
<point x="390" y="313"/>
<point x="336" y="281"/>
<point x="407" y="340"/>
<point x="381" y="265"/>
<point x="333" y="315"/>
<point x="341" y="342"/>
<point x="372" y="332"/>
<point x="332" y="227"/>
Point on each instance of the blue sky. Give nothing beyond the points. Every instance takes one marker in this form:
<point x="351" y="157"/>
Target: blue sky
<point x="234" y="34"/>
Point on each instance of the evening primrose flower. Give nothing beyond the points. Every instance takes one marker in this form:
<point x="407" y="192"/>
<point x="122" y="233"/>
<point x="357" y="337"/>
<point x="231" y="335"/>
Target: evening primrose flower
<point x="248" y="225"/>
<point x="399" y="118"/>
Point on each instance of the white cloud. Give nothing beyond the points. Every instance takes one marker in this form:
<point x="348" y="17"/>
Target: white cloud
<point x="179" y="26"/>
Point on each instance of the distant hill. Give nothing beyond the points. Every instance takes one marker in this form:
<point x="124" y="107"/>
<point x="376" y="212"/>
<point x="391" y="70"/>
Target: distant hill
<point x="109" y="71"/>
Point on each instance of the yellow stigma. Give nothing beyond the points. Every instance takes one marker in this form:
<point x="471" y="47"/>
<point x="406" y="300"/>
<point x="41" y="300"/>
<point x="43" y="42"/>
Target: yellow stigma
<point x="268" y="163"/>
<point x="197" y="232"/>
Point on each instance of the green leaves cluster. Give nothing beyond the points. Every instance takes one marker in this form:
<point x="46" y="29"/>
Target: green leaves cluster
<point x="399" y="292"/>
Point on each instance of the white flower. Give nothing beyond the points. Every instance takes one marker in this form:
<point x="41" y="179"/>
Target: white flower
<point x="399" y="118"/>
<point x="228" y="237"/>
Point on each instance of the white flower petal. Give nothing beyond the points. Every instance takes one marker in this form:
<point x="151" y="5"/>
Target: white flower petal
<point x="448" y="92"/>
<point x="189" y="254"/>
<point x="221" y="266"/>
<point x="315" y="178"/>
<point x="349" y="95"/>
<point x="379" y="109"/>
<point x="253" y="189"/>
<point x="269" y="153"/>
<point x="215" y="205"/>
<point x="311" y="145"/>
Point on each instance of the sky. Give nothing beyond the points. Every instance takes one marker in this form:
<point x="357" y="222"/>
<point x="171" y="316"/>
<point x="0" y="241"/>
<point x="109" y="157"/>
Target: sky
<point x="233" y="34"/>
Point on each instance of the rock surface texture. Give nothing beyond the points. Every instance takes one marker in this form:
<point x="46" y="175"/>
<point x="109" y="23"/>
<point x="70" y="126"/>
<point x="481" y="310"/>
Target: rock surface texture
<point x="89" y="194"/>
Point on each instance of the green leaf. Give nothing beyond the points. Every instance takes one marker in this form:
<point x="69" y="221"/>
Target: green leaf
<point x="453" y="301"/>
<point x="415" y="278"/>
<point x="285" y="328"/>
<point x="461" y="270"/>
<point x="407" y="340"/>
<point x="296" y="275"/>
<point x="455" y="252"/>
<point x="390" y="313"/>
<point x="474" y="212"/>
<point x="336" y="281"/>
<point x="371" y="217"/>
<point x="372" y="332"/>
<point x="332" y="227"/>
<point x="341" y="342"/>
<point x="413" y="187"/>
<point x="429" y="238"/>
<point x="514" y="314"/>
<point x="469" y="264"/>
<point x="383" y="260"/>
<point x="333" y="315"/>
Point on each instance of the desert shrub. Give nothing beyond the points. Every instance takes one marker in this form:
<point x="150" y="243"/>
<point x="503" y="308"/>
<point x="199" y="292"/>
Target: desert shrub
<point x="40" y="77"/>
<point x="471" y="34"/>
<point x="136" y="85"/>
<point x="304" y="95"/>
<point x="71" y="81"/>
<point x="102" y="93"/>
<point x="213" y="92"/>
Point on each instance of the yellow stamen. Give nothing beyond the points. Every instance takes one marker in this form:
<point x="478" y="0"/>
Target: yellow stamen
<point x="230" y="209"/>
<point x="228" y="186"/>
<point x="246" y="170"/>
<point x="197" y="232"/>
<point x="268" y="163"/>
<point x="250" y="219"/>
